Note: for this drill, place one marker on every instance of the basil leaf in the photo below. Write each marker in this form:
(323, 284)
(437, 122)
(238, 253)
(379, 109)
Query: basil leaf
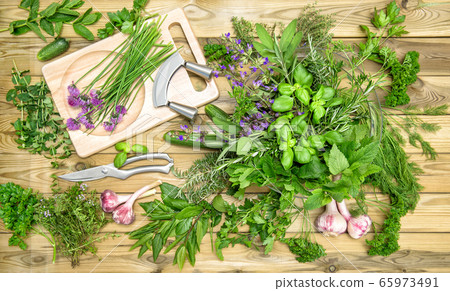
(123, 147)
(120, 159)
(137, 148)
(83, 31)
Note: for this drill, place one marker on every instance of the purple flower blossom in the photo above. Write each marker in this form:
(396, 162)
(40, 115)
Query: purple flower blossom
(84, 100)
(249, 46)
(257, 83)
(97, 102)
(216, 74)
(83, 186)
(222, 67)
(271, 101)
(184, 127)
(254, 69)
(258, 115)
(274, 88)
(73, 101)
(300, 113)
(93, 93)
(242, 74)
(72, 124)
(265, 124)
(227, 35)
(82, 118)
(231, 67)
(73, 90)
(241, 51)
(228, 50)
(121, 109)
(241, 65)
(228, 76)
(108, 126)
(116, 118)
(197, 130)
(89, 125)
(238, 41)
(241, 84)
(270, 70)
(242, 123)
(235, 57)
(266, 61)
(180, 137)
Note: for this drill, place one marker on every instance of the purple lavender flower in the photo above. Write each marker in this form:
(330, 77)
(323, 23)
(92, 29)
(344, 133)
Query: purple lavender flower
(116, 118)
(73, 100)
(184, 127)
(84, 100)
(227, 35)
(93, 93)
(121, 109)
(258, 115)
(238, 41)
(108, 126)
(270, 70)
(241, 84)
(82, 118)
(73, 90)
(72, 124)
(89, 125)
(97, 102)
(265, 124)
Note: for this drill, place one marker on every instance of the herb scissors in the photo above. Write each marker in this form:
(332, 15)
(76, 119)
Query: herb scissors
(111, 171)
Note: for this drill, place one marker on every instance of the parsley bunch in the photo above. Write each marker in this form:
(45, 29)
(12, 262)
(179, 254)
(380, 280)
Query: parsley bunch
(122, 20)
(17, 208)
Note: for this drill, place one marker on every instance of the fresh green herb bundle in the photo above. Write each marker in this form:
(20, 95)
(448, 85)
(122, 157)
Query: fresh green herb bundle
(127, 68)
(123, 20)
(71, 221)
(40, 129)
(17, 209)
(52, 18)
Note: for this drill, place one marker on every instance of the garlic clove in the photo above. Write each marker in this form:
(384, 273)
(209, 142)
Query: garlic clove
(359, 226)
(109, 200)
(124, 214)
(331, 222)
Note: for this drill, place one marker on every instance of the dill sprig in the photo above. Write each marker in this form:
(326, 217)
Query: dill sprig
(203, 178)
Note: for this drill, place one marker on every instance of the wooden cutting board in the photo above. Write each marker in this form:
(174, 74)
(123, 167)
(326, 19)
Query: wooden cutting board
(142, 115)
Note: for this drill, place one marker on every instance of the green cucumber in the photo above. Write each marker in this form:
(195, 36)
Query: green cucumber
(214, 111)
(53, 49)
(210, 140)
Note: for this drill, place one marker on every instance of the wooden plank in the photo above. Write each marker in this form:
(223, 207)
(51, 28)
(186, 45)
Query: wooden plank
(212, 18)
(419, 253)
(434, 57)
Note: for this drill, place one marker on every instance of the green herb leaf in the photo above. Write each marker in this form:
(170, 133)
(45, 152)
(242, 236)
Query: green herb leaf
(83, 31)
(137, 148)
(47, 26)
(189, 211)
(244, 145)
(127, 27)
(123, 147)
(337, 162)
(288, 35)
(120, 159)
(219, 204)
(264, 37)
(157, 245)
(35, 28)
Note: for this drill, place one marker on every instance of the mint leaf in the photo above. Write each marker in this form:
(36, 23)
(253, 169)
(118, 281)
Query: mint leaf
(337, 162)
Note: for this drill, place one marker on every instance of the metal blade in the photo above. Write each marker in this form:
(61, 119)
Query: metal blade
(165, 72)
(90, 174)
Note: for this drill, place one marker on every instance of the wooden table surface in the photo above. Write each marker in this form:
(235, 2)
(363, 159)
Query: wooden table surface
(425, 235)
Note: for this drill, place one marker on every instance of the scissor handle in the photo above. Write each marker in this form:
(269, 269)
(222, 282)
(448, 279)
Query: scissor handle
(152, 168)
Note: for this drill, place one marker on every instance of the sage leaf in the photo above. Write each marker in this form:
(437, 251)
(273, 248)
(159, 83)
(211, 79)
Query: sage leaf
(264, 36)
(287, 35)
(244, 145)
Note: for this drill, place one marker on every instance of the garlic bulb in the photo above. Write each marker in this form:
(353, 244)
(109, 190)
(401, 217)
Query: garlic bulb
(331, 222)
(359, 226)
(109, 200)
(356, 226)
(124, 213)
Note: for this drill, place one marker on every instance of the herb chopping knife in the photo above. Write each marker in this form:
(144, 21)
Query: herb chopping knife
(111, 171)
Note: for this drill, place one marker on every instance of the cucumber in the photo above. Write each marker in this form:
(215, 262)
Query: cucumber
(53, 49)
(210, 140)
(226, 125)
(214, 111)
